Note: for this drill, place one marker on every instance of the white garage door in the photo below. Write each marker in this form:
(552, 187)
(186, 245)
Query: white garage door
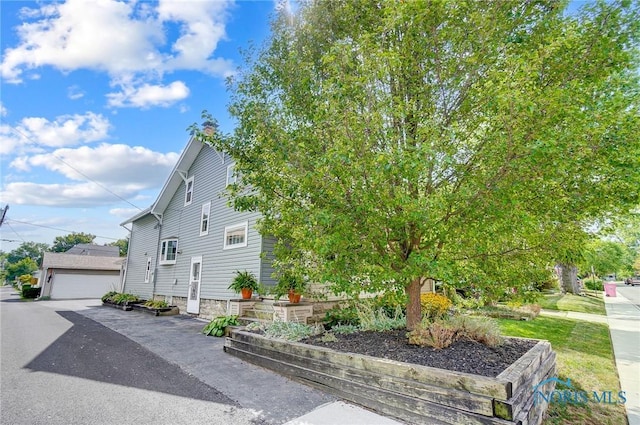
(69, 286)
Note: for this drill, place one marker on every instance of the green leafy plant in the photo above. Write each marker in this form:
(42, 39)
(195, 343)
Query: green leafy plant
(118, 298)
(344, 329)
(108, 296)
(593, 283)
(291, 331)
(156, 304)
(443, 332)
(439, 334)
(216, 326)
(288, 281)
(328, 337)
(377, 319)
(338, 315)
(30, 292)
(244, 280)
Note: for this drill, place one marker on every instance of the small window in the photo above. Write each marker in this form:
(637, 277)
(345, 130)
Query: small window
(235, 236)
(188, 194)
(231, 175)
(204, 219)
(168, 251)
(147, 272)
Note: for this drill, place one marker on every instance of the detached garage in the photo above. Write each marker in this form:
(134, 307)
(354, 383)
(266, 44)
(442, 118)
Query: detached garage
(69, 276)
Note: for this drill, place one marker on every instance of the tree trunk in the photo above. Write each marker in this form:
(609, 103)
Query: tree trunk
(569, 278)
(414, 311)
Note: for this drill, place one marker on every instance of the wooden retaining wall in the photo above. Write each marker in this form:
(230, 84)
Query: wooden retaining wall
(410, 392)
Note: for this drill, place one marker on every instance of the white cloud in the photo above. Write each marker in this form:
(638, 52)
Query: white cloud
(3, 110)
(74, 92)
(148, 95)
(67, 130)
(109, 164)
(123, 169)
(119, 38)
(124, 212)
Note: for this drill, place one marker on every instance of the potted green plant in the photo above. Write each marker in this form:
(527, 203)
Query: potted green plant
(291, 285)
(244, 283)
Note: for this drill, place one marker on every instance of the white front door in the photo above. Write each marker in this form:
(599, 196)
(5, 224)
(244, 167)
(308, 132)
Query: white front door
(193, 299)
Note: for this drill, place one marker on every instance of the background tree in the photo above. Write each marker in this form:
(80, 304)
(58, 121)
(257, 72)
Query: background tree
(22, 267)
(123, 246)
(65, 243)
(467, 142)
(33, 250)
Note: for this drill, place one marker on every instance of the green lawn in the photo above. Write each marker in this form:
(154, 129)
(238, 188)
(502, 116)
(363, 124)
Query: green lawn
(584, 354)
(570, 302)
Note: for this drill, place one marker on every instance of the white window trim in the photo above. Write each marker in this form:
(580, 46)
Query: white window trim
(230, 176)
(228, 229)
(188, 199)
(147, 271)
(205, 207)
(163, 256)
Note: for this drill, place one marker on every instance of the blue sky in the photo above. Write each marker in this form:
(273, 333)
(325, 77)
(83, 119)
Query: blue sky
(99, 94)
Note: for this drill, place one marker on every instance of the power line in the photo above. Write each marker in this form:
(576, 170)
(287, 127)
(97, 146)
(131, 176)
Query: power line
(50, 227)
(13, 230)
(76, 170)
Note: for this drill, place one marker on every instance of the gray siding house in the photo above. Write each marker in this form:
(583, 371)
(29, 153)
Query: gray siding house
(186, 247)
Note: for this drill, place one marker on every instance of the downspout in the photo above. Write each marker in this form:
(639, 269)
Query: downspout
(157, 259)
(126, 259)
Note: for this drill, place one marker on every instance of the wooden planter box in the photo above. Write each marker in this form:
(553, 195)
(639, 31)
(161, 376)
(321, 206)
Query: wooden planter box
(414, 393)
(127, 306)
(164, 311)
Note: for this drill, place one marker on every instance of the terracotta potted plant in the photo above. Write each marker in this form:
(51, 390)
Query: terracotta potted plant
(290, 285)
(244, 283)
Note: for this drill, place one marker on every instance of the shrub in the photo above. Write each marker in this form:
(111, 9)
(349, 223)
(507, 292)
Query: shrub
(593, 283)
(341, 316)
(439, 334)
(344, 329)
(291, 331)
(29, 291)
(434, 306)
(390, 302)
(118, 298)
(377, 319)
(216, 326)
(156, 304)
(108, 296)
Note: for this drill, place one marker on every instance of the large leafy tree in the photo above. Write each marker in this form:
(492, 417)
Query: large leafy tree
(66, 242)
(21, 267)
(390, 142)
(33, 250)
(123, 246)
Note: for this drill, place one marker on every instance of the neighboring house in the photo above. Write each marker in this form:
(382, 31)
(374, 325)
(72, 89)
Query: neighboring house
(72, 276)
(96, 250)
(186, 247)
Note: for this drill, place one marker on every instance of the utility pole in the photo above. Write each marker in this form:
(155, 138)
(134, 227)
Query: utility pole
(3, 214)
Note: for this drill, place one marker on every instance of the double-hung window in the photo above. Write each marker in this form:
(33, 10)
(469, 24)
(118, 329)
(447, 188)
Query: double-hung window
(188, 191)
(204, 219)
(232, 178)
(236, 236)
(168, 251)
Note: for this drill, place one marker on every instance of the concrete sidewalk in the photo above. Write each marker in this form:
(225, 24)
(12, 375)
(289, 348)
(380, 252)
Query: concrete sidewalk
(273, 399)
(624, 327)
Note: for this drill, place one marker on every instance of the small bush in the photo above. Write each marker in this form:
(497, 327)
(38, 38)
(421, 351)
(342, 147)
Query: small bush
(121, 299)
(108, 296)
(434, 306)
(480, 329)
(328, 337)
(593, 283)
(377, 319)
(156, 304)
(390, 302)
(344, 329)
(341, 316)
(30, 292)
(291, 331)
(216, 326)
(439, 334)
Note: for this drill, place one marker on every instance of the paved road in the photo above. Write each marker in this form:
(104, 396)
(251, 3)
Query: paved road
(60, 367)
(632, 293)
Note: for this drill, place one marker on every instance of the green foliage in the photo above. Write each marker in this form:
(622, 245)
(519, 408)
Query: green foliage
(217, 326)
(33, 250)
(291, 331)
(30, 292)
(156, 304)
(593, 283)
(338, 315)
(443, 332)
(377, 319)
(386, 142)
(244, 280)
(65, 243)
(123, 246)
(289, 281)
(119, 298)
(25, 278)
(26, 266)
(606, 257)
(344, 329)
(328, 337)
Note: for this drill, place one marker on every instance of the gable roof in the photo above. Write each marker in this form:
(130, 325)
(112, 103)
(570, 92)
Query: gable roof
(172, 184)
(62, 260)
(95, 250)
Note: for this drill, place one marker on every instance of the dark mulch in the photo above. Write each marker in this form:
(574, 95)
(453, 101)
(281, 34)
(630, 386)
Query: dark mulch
(462, 356)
